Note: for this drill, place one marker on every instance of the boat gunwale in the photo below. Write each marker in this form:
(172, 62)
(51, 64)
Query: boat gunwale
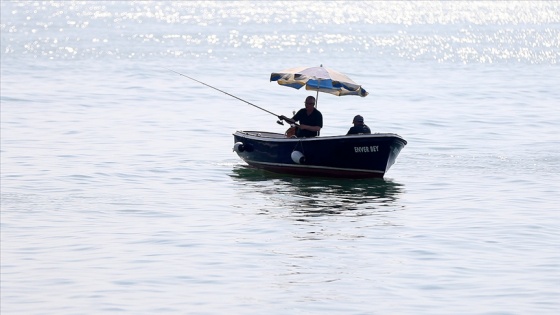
(262, 136)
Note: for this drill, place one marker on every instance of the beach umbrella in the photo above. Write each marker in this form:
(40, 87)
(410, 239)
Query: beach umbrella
(318, 79)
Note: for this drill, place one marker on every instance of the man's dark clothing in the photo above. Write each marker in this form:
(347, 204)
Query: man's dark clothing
(315, 119)
(363, 128)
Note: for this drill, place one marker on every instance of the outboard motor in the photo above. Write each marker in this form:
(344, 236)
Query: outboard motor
(238, 147)
(298, 157)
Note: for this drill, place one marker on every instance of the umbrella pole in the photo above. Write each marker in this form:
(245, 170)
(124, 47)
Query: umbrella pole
(317, 103)
(317, 98)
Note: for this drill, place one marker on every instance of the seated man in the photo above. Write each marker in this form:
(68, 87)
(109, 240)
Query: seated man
(310, 119)
(359, 126)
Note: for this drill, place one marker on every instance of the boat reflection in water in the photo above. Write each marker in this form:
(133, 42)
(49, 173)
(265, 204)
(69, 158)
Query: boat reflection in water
(311, 196)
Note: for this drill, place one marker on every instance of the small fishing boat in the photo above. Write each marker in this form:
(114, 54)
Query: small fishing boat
(347, 156)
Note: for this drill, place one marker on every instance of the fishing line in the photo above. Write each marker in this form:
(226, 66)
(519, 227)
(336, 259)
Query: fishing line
(208, 85)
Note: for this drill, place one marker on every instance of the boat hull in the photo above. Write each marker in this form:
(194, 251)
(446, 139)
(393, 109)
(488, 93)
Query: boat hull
(348, 156)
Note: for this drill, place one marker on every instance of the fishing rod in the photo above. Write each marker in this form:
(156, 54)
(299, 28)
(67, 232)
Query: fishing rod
(280, 117)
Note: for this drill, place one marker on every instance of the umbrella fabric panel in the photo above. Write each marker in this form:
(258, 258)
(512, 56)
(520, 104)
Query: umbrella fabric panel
(290, 77)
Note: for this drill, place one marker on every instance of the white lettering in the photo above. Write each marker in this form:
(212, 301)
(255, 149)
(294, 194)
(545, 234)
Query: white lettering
(373, 148)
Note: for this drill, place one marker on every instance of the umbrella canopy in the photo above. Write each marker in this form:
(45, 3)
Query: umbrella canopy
(318, 79)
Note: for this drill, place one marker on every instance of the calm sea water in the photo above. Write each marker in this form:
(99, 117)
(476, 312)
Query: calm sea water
(120, 192)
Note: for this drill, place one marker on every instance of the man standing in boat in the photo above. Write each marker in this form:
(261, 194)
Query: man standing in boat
(310, 119)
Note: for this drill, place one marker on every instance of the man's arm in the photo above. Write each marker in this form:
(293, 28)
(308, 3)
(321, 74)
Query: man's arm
(289, 120)
(310, 128)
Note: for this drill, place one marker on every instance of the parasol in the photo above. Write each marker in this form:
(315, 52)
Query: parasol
(318, 79)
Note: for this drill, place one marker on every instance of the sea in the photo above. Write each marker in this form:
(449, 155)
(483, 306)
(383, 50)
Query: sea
(120, 192)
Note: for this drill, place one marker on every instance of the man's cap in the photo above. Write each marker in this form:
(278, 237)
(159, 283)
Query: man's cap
(358, 118)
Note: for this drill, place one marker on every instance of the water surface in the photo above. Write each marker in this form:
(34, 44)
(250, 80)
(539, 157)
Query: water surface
(121, 193)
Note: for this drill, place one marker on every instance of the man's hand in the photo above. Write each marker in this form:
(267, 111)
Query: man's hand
(289, 120)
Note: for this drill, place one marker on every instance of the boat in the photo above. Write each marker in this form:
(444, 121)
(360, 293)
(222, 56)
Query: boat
(345, 156)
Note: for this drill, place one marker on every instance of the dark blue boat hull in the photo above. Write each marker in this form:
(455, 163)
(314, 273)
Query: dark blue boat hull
(352, 156)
